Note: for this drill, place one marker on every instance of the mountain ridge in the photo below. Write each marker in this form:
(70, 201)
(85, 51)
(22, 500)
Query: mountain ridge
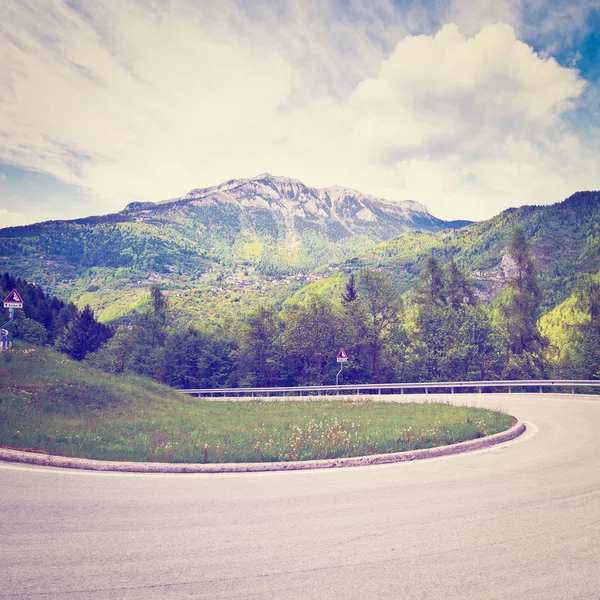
(293, 198)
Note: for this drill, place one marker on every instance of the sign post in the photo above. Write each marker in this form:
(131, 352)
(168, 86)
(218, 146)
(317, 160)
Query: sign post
(12, 301)
(342, 358)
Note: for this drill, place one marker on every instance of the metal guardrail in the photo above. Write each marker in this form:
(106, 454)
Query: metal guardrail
(393, 388)
(5, 342)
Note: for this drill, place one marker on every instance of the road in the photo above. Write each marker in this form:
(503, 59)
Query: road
(521, 520)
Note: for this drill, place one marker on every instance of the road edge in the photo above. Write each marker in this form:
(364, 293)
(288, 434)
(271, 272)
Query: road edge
(88, 464)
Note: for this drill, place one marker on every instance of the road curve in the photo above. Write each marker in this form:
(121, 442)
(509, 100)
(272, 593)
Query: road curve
(519, 520)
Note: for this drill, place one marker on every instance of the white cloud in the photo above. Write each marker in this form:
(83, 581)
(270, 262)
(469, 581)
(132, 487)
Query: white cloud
(135, 103)
(448, 94)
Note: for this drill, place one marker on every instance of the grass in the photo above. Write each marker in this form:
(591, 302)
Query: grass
(53, 404)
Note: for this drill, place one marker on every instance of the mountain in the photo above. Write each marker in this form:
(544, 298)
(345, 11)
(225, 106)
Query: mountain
(242, 231)
(294, 200)
(280, 224)
(220, 249)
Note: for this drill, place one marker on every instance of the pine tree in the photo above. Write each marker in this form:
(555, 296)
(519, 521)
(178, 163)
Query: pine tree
(83, 334)
(431, 286)
(350, 294)
(459, 290)
(523, 307)
(159, 302)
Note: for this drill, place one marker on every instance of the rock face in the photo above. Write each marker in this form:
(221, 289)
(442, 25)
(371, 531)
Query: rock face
(349, 209)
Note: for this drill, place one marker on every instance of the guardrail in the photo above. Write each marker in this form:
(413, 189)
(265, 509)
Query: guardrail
(5, 342)
(393, 388)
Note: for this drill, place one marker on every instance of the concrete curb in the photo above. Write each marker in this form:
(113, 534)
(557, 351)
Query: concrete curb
(47, 460)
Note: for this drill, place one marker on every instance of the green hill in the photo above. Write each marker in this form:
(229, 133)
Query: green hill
(565, 239)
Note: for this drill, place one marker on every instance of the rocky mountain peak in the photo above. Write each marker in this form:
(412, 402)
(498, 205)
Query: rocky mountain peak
(334, 206)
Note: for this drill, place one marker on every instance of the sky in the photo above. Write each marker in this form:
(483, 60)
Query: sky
(468, 106)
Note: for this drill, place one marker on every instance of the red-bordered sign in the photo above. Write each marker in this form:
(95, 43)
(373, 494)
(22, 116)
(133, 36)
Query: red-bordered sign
(13, 300)
(342, 356)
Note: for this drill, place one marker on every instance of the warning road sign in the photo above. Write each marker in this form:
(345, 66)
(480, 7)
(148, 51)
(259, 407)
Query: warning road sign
(342, 356)
(13, 300)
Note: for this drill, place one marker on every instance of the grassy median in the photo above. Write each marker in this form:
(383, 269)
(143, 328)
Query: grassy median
(52, 404)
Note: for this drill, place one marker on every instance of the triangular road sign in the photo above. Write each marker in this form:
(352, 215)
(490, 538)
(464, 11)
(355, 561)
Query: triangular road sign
(13, 300)
(342, 355)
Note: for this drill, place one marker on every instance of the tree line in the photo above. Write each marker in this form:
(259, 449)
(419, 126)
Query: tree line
(48, 320)
(440, 331)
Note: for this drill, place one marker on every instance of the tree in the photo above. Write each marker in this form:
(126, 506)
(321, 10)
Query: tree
(312, 337)
(115, 355)
(29, 331)
(197, 359)
(583, 356)
(350, 294)
(60, 320)
(433, 337)
(259, 357)
(519, 308)
(82, 335)
(454, 338)
(458, 288)
(522, 309)
(474, 346)
(159, 302)
(378, 307)
(431, 285)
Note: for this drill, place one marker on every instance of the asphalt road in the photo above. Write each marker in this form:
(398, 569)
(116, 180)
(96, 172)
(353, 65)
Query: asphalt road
(521, 520)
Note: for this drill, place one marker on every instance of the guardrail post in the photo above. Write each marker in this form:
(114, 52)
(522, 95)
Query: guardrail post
(510, 389)
(452, 389)
(479, 389)
(540, 389)
(401, 391)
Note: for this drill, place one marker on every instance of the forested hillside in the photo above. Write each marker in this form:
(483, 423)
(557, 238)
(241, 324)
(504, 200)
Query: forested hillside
(440, 331)
(45, 319)
(565, 239)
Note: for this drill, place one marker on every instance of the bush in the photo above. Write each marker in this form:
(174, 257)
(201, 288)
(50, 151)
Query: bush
(29, 331)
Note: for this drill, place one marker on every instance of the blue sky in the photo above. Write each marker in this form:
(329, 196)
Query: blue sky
(469, 107)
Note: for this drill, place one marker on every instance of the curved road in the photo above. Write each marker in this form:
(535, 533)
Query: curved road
(521, 520)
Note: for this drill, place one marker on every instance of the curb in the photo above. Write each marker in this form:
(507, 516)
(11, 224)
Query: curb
(47, 460)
